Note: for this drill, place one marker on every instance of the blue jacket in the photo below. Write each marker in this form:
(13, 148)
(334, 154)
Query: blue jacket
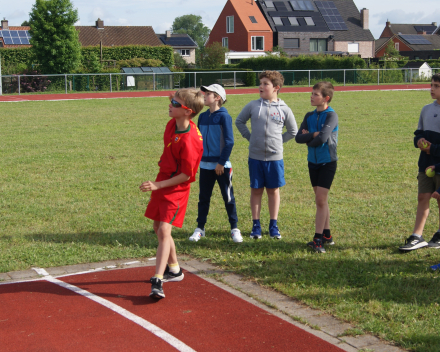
(218, 136)
(322, 148)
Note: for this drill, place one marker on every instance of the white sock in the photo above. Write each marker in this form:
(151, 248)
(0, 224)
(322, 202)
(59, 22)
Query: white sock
(174, 268)
(414, 234)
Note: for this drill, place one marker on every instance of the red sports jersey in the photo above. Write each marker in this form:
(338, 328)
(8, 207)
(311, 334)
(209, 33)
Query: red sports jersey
(182, 153)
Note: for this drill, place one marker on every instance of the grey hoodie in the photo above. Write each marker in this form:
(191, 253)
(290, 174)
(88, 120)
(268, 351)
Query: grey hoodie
(267, 122)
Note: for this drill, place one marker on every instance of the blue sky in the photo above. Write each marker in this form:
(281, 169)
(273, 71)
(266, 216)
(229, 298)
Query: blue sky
(160, 14)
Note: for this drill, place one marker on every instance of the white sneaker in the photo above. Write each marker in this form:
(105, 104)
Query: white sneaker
(236, 235)
(197, 235)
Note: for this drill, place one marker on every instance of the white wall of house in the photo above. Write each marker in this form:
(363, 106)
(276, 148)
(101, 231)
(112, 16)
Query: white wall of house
(423, 72)
(191, 58)
(244, 55)
(364, 49)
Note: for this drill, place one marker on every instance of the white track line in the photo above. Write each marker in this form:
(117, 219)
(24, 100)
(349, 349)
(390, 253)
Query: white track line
(170, 339)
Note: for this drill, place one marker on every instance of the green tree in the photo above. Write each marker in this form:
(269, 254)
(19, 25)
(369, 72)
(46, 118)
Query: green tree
(193, 26)
(391, 51)
(25, 23)
(55, 43)
(212, 56)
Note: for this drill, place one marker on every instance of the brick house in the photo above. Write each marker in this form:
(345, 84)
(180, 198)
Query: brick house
(242, 28)
(300, 27)
(415, 41)
(182, 44)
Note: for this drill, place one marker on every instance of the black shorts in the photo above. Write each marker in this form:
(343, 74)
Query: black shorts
(321, 175)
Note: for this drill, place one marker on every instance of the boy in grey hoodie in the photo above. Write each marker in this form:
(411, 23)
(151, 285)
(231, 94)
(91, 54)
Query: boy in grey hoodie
(268, 115)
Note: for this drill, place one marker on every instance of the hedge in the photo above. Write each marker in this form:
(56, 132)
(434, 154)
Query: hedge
(13, 57)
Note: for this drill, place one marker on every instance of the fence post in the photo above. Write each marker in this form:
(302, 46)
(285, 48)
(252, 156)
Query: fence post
(410, 76)
(111, 90)
(309, 78)
(234, 80)
(378, 77)
(154, 81)
(344, 77)
(65, 82)
(19, 90)
(195, 79)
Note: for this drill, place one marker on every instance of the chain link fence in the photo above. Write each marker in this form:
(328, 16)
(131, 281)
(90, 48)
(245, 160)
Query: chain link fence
(111, 82)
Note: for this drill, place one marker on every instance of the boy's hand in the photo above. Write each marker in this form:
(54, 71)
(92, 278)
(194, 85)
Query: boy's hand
(219, 169)
(315, 134)
(304, 131)
(435, 195)
(424, 145)
(430, 167)
(149, 186)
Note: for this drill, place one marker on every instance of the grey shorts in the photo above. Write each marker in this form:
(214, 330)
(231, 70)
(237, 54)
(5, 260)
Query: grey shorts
(428, 184)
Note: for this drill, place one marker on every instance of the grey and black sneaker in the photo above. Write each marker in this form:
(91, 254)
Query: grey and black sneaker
(316, 245)
(156, 288)
(327, 240)
(413, 242)
(435, 241)
(168, 276)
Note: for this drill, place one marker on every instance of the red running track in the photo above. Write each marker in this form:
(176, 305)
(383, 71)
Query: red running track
(43, 316)
(143, 94)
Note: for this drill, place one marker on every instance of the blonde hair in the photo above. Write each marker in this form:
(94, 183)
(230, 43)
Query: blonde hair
(326, 89)
(193, 98)
(275, 77)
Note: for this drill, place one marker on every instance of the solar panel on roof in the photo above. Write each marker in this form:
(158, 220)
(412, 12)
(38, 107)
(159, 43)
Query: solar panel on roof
(14, 33)
(269, 4)
(165, 69)
(6, 34)
(427, 29)
(22, 34)
(25, 41)
(331, 15)
(16, 40)
(415, 39)
(293, 21)
(156, 69)
(146, 69)
(127, 70)
(252, 18)
(7, 40)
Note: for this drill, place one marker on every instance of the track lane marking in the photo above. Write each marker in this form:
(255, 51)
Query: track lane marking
(168, 338)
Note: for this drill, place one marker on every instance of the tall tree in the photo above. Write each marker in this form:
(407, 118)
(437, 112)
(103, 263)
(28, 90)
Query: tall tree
(213, 56)
(193, 26)
(55, 43)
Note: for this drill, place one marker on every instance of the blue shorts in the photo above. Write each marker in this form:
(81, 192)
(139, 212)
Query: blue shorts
(269, 174)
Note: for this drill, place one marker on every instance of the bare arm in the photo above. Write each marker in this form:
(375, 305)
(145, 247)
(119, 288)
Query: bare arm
(154, 186)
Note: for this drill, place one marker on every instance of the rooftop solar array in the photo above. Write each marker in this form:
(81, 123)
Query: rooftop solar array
(15, 37)
(428, 29)
(415, 39)
(331, 15)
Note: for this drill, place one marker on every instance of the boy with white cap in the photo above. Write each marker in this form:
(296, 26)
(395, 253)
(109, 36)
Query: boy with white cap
(215, 124)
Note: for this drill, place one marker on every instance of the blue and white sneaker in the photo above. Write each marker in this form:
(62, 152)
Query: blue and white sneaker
(256, 232)
(274, 232)
(197, 235)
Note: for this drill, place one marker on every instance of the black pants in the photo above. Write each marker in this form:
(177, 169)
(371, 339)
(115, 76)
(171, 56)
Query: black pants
(206, 185)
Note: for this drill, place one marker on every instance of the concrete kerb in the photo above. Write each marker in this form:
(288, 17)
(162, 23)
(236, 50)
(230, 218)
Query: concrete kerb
(311, 320)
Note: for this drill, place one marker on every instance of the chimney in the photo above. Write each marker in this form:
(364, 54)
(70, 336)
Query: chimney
(388, 24)
(99, 24)
(5, 24)
(365, 18)
(168, 34)
(434, 24)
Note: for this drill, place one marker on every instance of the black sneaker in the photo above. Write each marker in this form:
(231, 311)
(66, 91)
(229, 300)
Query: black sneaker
(327, 240)
(413, 242)
(156, 288)
(435, 241)
(316, 245)
(168, 276)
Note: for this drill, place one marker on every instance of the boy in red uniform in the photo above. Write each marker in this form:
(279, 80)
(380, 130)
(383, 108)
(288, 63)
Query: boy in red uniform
(183, 149)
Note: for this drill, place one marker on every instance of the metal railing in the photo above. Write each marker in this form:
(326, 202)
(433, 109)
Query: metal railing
(111, 82)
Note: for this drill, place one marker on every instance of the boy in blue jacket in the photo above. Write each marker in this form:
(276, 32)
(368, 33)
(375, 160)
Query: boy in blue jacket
(319, 131)
(215, 124)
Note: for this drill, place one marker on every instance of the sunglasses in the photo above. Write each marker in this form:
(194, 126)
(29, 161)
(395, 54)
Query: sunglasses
(176, 104)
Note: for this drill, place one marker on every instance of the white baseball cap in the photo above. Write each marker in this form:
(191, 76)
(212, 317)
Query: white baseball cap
(216, 88)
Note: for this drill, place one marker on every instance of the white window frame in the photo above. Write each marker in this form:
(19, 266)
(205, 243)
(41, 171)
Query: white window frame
(353, 47)
(229, 24)
(185, 52)
(396, 46)
(225, 42)
(254, 43)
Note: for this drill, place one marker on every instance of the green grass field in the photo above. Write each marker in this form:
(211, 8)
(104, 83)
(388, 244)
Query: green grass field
(69, 193)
